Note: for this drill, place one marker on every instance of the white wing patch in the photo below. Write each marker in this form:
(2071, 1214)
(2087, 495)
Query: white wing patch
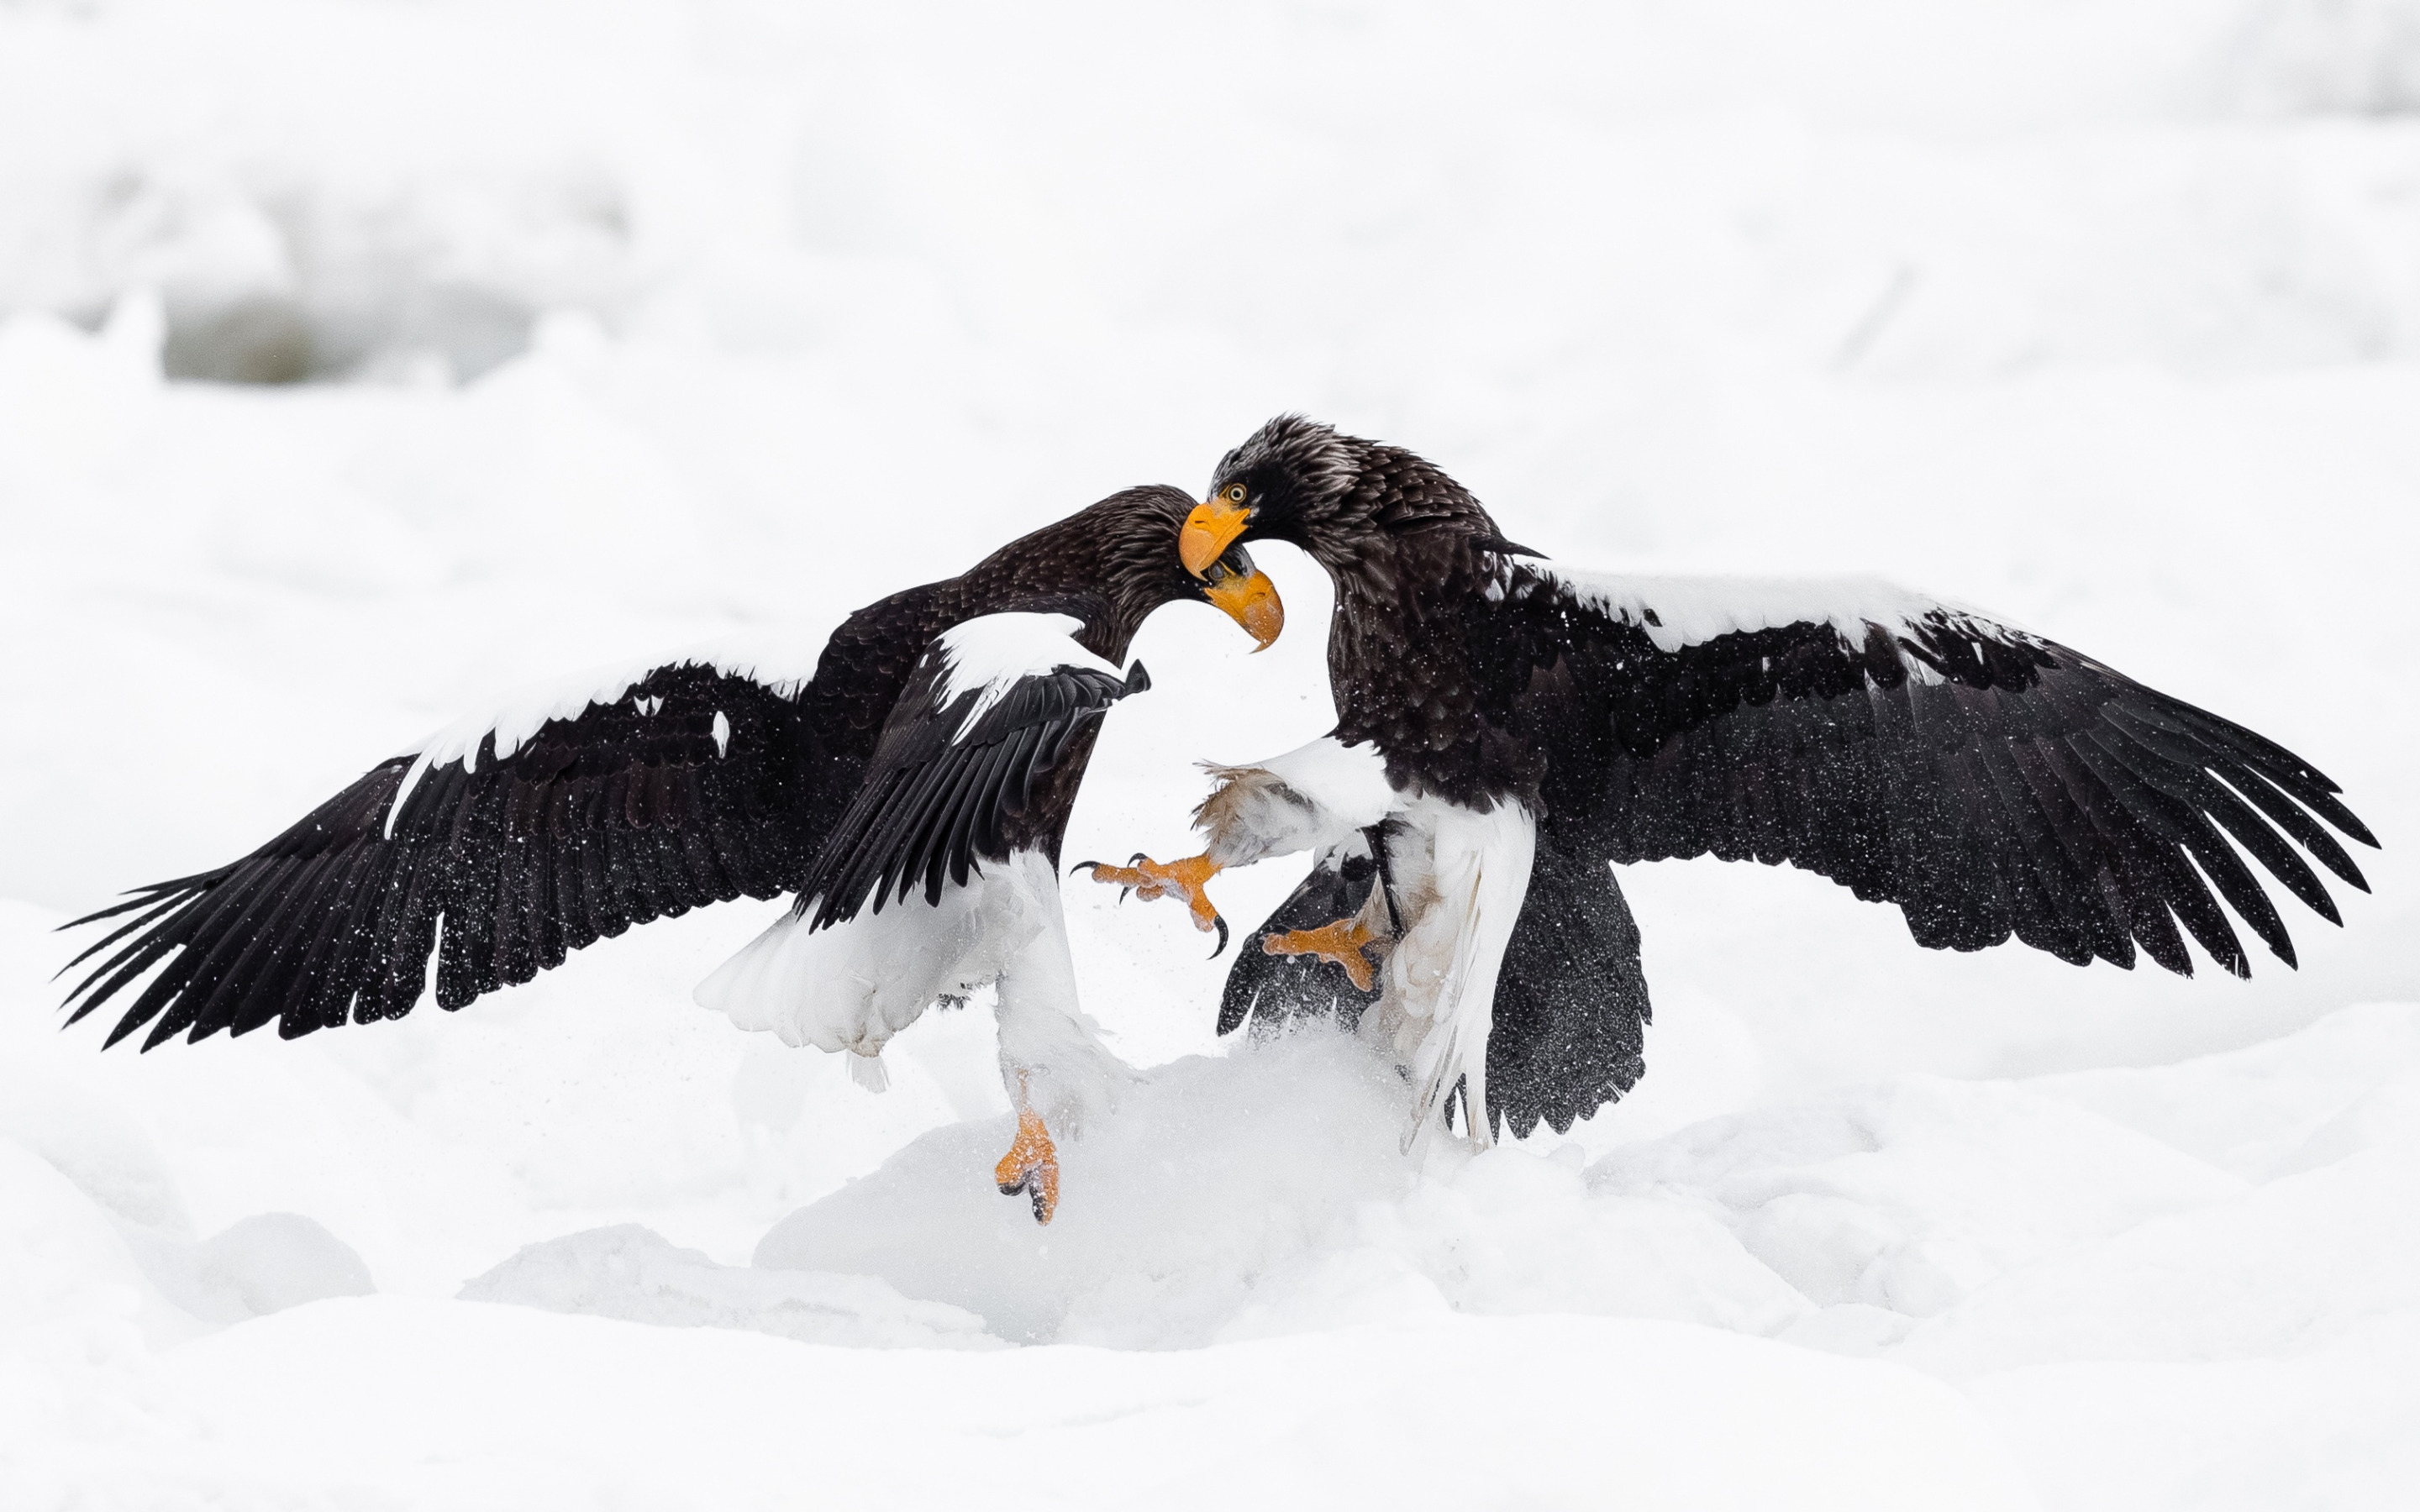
(994, 653)
(782, 658)
(721, 733)
(1687, 611)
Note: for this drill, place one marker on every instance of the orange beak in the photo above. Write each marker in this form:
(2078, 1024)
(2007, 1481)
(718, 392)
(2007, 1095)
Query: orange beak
(1209, 530)
(1251, 601)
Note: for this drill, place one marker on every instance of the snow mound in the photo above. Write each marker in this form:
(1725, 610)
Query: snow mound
(1265, 1194)
(1213, 1171)
(2268, 1108)
(59, 1259)
(2242, 1279)
(2310, 1254)
(323, 223)
(1906, 1196)
(1975, 1226)
(271, 1262)
(636, 1275)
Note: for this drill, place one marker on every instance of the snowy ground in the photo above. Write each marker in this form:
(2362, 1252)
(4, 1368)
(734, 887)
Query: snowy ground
(641, 322)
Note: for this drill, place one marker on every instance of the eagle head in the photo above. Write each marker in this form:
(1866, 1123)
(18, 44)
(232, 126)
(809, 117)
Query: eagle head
(1338, 497)
(1130, 533)
(1287, 483)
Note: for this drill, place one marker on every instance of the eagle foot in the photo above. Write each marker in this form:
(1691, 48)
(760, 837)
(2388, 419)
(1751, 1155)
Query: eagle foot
(1338, 943)
(1184, 880)
(1030, 1166)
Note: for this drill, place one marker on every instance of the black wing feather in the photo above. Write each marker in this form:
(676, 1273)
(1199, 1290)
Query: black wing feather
(619, 815)
(1570, 1010)
(1990, 783)
(945, 783)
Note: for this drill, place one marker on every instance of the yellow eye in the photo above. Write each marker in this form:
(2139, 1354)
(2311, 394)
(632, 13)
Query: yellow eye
(1234, 493)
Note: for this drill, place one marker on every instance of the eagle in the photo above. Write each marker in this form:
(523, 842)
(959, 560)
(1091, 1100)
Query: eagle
(908, 777)
(1507, 726)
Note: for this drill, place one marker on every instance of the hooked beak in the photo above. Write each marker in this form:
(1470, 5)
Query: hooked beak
(1250, 600)
(1209, 530)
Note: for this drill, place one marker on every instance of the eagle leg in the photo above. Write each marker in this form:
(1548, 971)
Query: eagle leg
(1340, 943)
(1030, 1166)
(1183, 880)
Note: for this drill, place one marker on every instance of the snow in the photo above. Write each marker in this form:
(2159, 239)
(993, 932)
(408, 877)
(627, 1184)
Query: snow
(643, 324)
(710, 1418)
(631, 1273)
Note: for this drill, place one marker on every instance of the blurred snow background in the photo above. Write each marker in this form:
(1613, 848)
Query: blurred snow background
(359, 360)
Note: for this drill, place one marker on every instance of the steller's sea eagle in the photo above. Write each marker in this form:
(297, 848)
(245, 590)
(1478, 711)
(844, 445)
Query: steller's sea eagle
(1506, 727)
(909, 777)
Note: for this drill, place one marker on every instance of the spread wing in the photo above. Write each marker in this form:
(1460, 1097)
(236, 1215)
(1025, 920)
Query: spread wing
(569, 817)
(996, 703)
(1987, 780)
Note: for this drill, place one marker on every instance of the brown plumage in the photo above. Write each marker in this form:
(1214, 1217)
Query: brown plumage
(1989, 782)
(691, 785)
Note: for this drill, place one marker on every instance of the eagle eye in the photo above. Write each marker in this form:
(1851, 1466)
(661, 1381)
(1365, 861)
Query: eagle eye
(1234, 493)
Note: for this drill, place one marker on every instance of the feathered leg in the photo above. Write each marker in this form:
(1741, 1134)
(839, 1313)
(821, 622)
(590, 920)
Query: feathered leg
(1051, 1059)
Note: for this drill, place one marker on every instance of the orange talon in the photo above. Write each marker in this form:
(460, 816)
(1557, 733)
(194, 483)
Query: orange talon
(1340, 943)
(1151, 879)
(1032, 1167)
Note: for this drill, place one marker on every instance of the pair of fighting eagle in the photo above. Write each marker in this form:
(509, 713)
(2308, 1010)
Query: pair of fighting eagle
(1506, 728)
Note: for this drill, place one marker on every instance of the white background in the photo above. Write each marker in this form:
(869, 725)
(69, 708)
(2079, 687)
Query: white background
(632, 323)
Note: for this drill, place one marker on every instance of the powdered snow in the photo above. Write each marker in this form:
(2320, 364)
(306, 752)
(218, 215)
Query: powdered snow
(625, 325)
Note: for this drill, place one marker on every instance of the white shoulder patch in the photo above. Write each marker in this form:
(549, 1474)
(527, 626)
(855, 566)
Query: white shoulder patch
(1686, 612)
(1348, 782)
(782, 658)
(993, 653)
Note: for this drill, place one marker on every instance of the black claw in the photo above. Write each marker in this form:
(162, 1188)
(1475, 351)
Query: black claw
(1080, 865)
(1138, 855)
(1220, 919)
(1122, 893)
(1030, 1184)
